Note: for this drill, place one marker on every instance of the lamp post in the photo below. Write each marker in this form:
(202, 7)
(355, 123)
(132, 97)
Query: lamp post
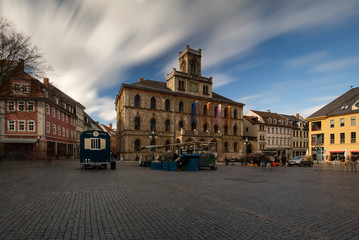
(153, 137)
(246, 148)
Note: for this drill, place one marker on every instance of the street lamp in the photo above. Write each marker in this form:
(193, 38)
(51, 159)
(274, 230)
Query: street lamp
(153, 137)
(246, 148)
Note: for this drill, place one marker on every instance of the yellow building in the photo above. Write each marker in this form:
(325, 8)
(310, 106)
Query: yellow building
(334, 129)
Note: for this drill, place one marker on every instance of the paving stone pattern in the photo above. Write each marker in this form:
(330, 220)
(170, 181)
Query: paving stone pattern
(58, 200)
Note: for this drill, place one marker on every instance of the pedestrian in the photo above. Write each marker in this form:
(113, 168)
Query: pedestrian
(353, 164)
(284, 160)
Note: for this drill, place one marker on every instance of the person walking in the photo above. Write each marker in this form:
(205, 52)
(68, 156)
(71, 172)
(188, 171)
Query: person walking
(353, 164)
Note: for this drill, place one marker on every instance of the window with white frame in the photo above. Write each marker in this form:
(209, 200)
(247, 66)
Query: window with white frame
(30, 106)
(16, 87)
(63, 131)
(53, 112)
(24, 88)
(342, 122)
(67, 119)
(21, 125)
(72, 134)
(31, 126)
(63, 116)
(48, 127)
(11, 125)
(67, 133)
(47, 109)
(332, 123)
(11, 106)
(274, 121)
(58, 115)
(57, 100)
(21, 106)
(352, 121)
(59, 130)
(54, 129)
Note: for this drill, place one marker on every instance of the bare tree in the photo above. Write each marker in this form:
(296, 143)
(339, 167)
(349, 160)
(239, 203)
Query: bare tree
(18, 52)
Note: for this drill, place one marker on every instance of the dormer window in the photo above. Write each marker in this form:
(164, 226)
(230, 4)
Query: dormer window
(56, 100)
(286, 122)
(269, 120)
(20, 88)
(274, 121)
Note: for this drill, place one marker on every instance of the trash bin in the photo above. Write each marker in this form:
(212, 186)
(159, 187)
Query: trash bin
(113, 165)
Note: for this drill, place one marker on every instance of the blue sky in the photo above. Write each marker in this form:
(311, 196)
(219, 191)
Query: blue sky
(287, 56)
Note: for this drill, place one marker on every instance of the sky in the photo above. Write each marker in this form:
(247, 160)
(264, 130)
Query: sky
(286, 56)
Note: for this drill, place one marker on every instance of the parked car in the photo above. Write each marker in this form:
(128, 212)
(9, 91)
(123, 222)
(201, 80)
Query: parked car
(301, 161)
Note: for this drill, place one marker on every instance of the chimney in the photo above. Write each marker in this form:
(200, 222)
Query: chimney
(268, 110)
(141, 79)
(297, 115)
(110, 126)
(46, 82)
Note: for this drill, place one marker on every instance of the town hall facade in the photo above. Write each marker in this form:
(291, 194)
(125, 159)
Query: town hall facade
(182, 109)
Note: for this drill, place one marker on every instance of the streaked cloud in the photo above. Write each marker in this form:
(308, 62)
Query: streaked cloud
(305, 60)
(93, 44)
(336, 65)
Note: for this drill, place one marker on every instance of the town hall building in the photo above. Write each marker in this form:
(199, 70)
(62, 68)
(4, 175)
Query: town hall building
(182, 109)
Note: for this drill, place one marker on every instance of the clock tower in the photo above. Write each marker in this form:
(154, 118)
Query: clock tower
(188, 79)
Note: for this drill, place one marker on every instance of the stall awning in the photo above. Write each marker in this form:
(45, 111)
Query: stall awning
(336, 151)
(18, 140)
(354, 151)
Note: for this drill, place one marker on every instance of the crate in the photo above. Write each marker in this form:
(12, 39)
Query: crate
(172, 166)
(192, 164)
(165, 166)
(156, 165)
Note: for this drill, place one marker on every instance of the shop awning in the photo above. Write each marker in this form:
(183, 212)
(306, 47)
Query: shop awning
(18, 140)
(336, 151)
(354, 151)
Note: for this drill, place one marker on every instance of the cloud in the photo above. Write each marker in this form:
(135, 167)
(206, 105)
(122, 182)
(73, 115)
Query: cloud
(220, 80)
(305, 60)
(335, 65)
(93, 44)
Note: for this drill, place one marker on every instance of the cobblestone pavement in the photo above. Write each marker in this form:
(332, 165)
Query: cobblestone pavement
(58, 200)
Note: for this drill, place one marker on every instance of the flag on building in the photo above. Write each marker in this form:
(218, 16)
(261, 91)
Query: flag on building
(194, 106)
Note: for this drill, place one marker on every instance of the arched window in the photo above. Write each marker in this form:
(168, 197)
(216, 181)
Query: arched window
(235, 113)
(193, 126)
(167, 105)
(137, 101)
(226, 146)
(215, 128)
(215, 110)
(193, 68)
(180, 125)
(153, 103)
(225, 112)
(137, 123)
(153, 124)
(137, 145)
(167, 126)
(205, 110)
(205, 127)
(235, 147)
(225, 130)
(180, 106)
(235, 130)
